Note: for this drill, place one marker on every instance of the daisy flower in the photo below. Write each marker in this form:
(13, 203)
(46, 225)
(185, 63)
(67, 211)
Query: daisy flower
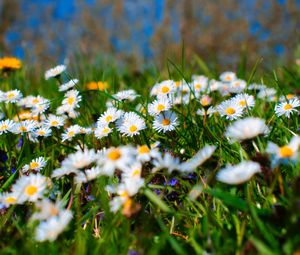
(228, 76)
(131, 124)
(239, 173)
(255, 86)
(287, 97)
(165, 122)
(8, 198)
(41, 107)
(245, 129)
(71, 132)
(287, 108)
(75, 162)
(205, 100)
(244, 100)
(214, 85)
(30, 188)
(126, 95)
(68, 85)
(55, 71)
(6, 126)
(109, 116)
(159, 105)
(102, 131)
(71, 100)
(43, 131)
(144, 154)
(133, 171)
(35, 165)
(47, 209)
(167, 161)
(198, 159)
(124, 193)
(49, 229)
(165, 88)
(199, 84)
(12, 96)
(25, 126)
(209, 112)
(54, 121)
(115, 158)
(230, 109)
(88, 175)
(284, 154)
(237, 86)
(267, 93)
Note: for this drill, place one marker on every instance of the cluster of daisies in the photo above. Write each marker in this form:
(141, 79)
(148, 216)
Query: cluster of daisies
(127, 167)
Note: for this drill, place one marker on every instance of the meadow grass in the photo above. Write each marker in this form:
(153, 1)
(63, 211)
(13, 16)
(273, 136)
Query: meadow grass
(173, 212)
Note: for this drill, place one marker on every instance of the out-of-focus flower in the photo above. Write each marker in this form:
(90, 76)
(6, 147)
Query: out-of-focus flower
(238, 174)
(10, 63)
(53, 226)
(198, 159)
(30, 188)
(228, 76)
(68, 85)
(55, 71)
(97, 85)
(247, 128)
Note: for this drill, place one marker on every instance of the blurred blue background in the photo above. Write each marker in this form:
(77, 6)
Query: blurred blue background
(147, 30)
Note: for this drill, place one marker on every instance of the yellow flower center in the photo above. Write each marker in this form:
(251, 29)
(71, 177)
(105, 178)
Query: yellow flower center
(133, 128)
(242, 103)
(31, 190)
(198, 86)
(10, 95)
(177, 83)
(10, 200)
(54, 123)
(160, 107)
(33, 165)
(204, 101)
(236, 84)
(143, 149)
(230, 111)
(287, 107)
(165, 89)
(165, 122)
(136, 172)
(71, 100)
(108, 118)
(3, 127)
(114, 154)
(35, 101)
(41, 132)
(285, 152)
(53, 211)
(227, 78)
(23, 129)
(290, 96)
(105, 130)
(71, 133)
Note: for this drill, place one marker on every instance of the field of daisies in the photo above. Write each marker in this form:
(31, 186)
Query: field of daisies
(93, 161)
